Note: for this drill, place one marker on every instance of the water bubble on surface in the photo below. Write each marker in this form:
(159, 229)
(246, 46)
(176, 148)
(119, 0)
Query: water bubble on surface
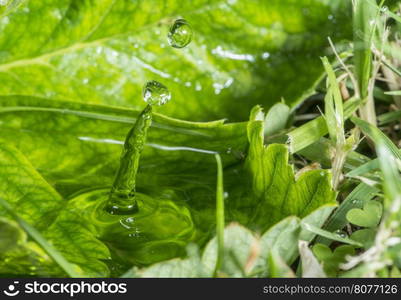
(155, 93)
(180, 34)
(340, 233)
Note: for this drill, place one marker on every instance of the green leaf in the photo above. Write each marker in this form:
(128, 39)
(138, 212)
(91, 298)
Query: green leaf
(176, 268)
(76, 241)
(104, 51)
(276, 193)
(276, 119)
(312, 131)
(26, 190)
(238, 252)
(364, 169)
(10, 235)
(18, 256)
(77, 146)
(369, 216)
(220, 218)
(71, 270)
(310, 266)
(7, 6)
(355, 199)
(394, 93)
(39, 205)
(329, 235)
(364, 12)
(331, 260)
(334, 111)
(282, 238)
(365, 236)
(278, 268)
(375, 134)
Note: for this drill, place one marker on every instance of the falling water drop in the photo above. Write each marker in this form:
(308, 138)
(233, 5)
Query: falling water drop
(155, 93)
(180, 34)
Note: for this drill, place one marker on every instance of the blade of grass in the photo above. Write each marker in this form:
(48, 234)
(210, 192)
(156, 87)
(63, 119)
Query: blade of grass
(378, 257)
(364, 169)
(220, 220)
(310, 132)
(366, 14)
(394, 93)
(37, 237)
(392, 68)
(389, 117)
(356, 199)
(329, 235)
(393, 15)
(391, 177)
(334, 116)
(374, 134)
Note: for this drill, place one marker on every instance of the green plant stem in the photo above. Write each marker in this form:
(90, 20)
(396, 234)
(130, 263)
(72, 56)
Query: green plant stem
(220, 222)
(368, 112)
(122, 195)
(338, 164)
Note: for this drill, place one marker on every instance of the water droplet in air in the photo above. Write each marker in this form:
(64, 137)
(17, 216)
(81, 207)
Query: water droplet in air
(180, 34)
(155, 93)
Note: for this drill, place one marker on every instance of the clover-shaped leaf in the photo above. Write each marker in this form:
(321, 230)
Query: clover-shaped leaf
(365, 236)
(369, 216)
(331, 260)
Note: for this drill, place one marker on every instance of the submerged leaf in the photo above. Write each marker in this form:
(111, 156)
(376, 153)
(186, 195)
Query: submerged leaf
(37, 203)
(20, 257)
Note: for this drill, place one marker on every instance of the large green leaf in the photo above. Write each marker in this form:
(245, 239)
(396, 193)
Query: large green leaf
(7, 6)
(77, 146)
(76, 241)
(37, 203)
(20, 257)
(245, 255)
(26, 190)
(243, 52)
